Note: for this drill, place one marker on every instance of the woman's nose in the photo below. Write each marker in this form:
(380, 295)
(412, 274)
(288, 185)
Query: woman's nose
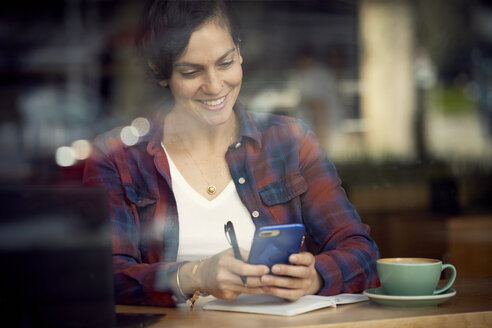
(213, 83)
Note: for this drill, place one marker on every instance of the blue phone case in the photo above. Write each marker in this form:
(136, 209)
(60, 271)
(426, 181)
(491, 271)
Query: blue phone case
(274, 244)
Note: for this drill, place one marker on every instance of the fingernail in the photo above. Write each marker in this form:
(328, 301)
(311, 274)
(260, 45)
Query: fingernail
(293, 258)
(266, 271)
(266, 279)
(276, 269)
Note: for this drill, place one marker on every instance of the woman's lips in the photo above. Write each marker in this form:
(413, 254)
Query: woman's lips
(215, 104)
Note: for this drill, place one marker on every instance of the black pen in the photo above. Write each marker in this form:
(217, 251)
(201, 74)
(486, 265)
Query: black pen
(231, 238)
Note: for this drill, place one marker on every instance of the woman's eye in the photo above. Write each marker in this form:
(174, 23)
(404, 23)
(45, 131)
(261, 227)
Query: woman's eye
(227, 64)
(189, 74)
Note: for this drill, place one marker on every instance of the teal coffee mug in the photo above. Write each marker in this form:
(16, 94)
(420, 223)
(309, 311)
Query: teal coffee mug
(413, 276)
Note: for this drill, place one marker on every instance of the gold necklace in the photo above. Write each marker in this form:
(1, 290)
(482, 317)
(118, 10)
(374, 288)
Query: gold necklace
(211, 188)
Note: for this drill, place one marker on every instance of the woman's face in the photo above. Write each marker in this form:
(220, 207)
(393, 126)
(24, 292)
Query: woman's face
(206, 78)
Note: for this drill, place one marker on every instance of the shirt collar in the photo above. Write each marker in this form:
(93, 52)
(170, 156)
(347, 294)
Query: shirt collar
(248, 127)
(155, 134)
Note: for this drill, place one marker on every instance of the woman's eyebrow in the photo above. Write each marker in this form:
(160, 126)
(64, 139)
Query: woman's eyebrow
(188, 64)
(228, 52)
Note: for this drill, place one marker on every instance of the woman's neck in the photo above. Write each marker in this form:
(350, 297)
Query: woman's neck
(195, 135)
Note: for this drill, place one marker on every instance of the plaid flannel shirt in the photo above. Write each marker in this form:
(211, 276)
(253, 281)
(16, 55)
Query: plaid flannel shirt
(281, 175)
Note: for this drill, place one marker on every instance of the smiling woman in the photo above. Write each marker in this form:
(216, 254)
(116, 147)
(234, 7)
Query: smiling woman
(206, 161)
(206, 78)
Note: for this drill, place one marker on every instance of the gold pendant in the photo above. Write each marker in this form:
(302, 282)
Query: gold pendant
(211, 190)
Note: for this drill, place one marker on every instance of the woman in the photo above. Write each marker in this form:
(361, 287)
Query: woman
(208, 161)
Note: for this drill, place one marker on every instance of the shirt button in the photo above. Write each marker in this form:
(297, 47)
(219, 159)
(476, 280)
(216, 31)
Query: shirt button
(241, 180)
(237, 145)
(255, 214)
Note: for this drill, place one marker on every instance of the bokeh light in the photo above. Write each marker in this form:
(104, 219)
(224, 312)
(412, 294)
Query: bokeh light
(129, 135)
(82, 149)
(65, 156)
(142, 125)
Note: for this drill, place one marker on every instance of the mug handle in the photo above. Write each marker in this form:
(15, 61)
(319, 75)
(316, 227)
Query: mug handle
(450, 281)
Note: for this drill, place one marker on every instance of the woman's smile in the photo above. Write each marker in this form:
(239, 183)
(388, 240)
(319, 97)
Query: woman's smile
(214, 104)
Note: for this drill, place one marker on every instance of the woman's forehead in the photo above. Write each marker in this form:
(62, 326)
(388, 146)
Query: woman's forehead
(209, 42)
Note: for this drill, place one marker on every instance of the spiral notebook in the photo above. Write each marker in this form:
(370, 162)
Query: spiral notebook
(268, 304)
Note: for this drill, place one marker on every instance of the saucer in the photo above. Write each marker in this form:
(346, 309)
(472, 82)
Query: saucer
(379, 296)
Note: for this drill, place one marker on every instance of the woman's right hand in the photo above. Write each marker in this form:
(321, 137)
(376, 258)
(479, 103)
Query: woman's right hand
(220, 276)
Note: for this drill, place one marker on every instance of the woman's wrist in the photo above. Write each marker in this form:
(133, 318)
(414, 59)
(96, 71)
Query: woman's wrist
(196, 281)
(178, 283)
(182, 280)
(318, 284)
(188, 282)
(188, 278)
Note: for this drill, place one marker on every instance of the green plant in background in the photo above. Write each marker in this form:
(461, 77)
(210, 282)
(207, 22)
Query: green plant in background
(451, 100)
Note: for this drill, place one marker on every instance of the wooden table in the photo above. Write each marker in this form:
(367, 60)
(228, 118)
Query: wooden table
(471, 307)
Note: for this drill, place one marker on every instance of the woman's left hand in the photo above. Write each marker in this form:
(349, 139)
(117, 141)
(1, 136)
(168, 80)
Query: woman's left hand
(292, 281)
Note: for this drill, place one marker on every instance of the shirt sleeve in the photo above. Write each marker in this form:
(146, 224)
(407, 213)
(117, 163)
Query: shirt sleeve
(134, 280)
(347, 255)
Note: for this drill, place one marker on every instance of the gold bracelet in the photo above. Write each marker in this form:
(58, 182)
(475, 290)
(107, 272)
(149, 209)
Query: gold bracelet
(192, 300)
(179, 285)
(196, 293)
(194, 270)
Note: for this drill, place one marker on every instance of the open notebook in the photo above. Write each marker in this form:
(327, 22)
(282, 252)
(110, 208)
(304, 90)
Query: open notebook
(268, 304)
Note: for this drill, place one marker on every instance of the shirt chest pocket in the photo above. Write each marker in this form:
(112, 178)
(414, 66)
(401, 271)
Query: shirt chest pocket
(281, 191)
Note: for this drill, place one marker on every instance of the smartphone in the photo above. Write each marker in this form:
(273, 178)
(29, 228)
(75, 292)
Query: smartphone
(274, 244)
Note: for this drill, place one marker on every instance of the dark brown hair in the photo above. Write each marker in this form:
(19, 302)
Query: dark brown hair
(166, 27)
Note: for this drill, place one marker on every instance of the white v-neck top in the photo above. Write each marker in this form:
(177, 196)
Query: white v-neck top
(201, 221)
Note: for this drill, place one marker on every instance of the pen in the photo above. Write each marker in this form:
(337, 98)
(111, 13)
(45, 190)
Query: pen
(231, 238)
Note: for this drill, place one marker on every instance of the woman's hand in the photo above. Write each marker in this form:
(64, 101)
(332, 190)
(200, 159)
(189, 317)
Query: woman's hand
(221, 274)
(298, 279)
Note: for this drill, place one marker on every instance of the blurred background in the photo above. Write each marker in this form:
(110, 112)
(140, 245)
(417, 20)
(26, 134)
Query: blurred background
(399, 93)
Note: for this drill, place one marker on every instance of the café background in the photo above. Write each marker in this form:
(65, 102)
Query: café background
(399, 92)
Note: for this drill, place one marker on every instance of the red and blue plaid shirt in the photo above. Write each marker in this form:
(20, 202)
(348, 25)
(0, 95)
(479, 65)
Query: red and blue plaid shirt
(281, 175)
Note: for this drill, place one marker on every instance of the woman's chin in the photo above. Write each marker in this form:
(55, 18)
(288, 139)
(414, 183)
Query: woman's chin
(219, 117)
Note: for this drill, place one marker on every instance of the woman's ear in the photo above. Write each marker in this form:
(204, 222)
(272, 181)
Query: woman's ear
(152, 66)
(240, 57)
(164, 83)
